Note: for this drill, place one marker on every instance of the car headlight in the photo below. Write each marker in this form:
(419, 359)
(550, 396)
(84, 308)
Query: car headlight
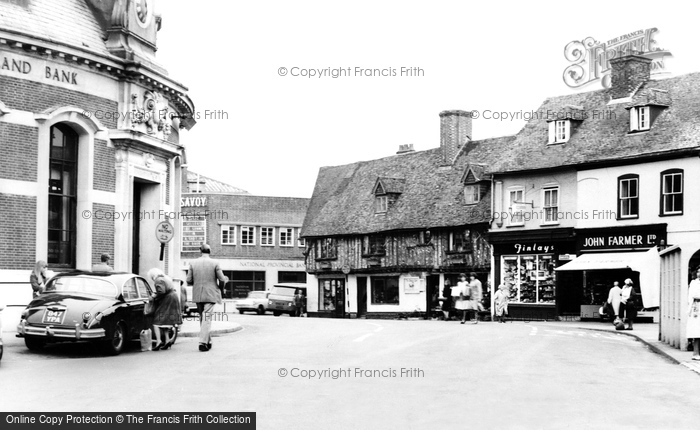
(24, 314)
(289, 304)
(269, 302)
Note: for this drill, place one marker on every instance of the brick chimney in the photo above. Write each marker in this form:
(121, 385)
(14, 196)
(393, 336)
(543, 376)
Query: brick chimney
(627, 73)
(455, 131)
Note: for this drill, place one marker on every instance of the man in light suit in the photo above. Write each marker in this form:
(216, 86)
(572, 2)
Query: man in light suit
(203, 274)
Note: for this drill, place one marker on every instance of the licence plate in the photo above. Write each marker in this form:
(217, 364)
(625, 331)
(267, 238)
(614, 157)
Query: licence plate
(53, 317)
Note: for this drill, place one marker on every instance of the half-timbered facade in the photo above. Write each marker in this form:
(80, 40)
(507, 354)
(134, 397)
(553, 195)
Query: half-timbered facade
(383, 235)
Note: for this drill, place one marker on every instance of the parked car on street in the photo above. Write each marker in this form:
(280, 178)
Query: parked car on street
(255, 301)
(104, 307)
(281, 298)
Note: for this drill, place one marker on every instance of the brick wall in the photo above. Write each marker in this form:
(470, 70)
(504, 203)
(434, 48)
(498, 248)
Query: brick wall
(104, 173)
(455, 127)
(17, 232)
(36, 97)
(19, 148)
(102, 232)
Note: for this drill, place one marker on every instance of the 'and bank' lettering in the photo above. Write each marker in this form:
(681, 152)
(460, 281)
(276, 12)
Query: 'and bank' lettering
(24, 67)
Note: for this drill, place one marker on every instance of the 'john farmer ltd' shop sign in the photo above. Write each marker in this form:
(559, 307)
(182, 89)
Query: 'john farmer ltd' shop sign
(637, 237)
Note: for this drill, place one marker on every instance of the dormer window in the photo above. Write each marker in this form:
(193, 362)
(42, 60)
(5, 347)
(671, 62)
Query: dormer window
(640, 118)
(559, 131)
(381, 204)
(472, 194)
(386, 192)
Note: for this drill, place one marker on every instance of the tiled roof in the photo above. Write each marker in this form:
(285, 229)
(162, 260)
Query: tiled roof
(209, 185)
(603, 135)
(261, 209)
(343, 203)
(391, 185)
(70, 22)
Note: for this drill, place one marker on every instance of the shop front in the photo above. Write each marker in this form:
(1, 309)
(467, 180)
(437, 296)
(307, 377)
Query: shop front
(608, 255)
(525, 263)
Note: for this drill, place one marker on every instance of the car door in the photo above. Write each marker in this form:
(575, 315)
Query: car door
(134, 308)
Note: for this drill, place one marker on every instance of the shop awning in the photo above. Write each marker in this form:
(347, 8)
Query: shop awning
(646, 263)
(605, 261)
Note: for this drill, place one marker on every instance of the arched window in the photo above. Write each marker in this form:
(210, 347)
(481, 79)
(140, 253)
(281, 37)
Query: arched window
(63, 182)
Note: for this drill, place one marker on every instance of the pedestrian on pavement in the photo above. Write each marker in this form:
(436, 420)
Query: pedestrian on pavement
(103, 266)
(203, 274)
(614, 296)
(298, 302)
(692, 329)
(628, 312)
(167, 314)
(476, 294)
(462, 302)
(38, 277)
(500, 301)
(446, 299)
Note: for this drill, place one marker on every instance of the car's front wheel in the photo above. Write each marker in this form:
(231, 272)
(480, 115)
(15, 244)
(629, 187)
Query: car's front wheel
(261, 310)
(34, 344)
(114, 345)
(276, 313)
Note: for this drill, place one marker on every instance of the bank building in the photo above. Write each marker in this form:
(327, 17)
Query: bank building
(90, 129)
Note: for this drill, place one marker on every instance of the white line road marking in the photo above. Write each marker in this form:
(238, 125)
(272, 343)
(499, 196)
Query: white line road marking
(363, 337)
(533, 332)
(378, 328)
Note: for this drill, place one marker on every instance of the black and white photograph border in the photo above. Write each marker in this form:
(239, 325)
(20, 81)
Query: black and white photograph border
(369, 214)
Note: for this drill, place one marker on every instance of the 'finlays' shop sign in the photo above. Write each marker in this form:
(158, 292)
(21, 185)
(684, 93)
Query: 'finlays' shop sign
(19, 67)
(591, 59)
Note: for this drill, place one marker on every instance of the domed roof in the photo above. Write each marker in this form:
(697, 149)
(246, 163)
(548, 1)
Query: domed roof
(68, 22)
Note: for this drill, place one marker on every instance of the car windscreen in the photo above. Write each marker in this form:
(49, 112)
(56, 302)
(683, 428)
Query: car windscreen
(94, 286)
(283, 291)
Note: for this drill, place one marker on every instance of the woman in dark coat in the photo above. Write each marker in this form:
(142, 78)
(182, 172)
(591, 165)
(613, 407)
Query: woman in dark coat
(168, 309)
(446, 299)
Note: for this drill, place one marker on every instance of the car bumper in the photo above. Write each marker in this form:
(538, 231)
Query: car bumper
(73, 333)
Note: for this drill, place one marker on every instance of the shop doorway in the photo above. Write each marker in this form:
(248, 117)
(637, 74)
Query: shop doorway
(432, 287)
(332, 297)
(361, 296)
(145, 248)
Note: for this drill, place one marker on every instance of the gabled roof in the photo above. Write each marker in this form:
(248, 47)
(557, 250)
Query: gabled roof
(474, 173)
(343, 204)
(389, 186)
(603, 135)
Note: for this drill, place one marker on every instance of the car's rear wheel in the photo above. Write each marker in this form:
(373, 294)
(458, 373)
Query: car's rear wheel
(261, 310)
(116, 342)
(276, 313)
(34, 344)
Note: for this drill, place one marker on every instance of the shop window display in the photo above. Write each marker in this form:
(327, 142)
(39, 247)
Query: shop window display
(530, 278)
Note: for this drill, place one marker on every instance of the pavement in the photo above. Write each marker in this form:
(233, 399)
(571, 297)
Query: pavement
(221, 322)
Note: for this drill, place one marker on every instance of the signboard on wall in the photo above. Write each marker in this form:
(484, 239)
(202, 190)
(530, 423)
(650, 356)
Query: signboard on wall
(413, 285)
(621, 238)
(194, 232)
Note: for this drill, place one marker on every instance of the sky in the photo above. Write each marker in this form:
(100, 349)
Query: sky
(267, 131)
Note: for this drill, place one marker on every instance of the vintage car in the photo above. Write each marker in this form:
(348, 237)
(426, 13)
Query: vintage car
(256, 301)
(106, 307)
(281, 298)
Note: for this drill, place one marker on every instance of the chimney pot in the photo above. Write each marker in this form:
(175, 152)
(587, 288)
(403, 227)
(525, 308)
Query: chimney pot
(403, 149)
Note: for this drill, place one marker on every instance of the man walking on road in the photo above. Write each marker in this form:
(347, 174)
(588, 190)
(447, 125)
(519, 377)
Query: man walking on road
(203, 274)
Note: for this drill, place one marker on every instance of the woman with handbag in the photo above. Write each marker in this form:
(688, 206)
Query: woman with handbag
(476, 295)
(692, 328)
(167, 308)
